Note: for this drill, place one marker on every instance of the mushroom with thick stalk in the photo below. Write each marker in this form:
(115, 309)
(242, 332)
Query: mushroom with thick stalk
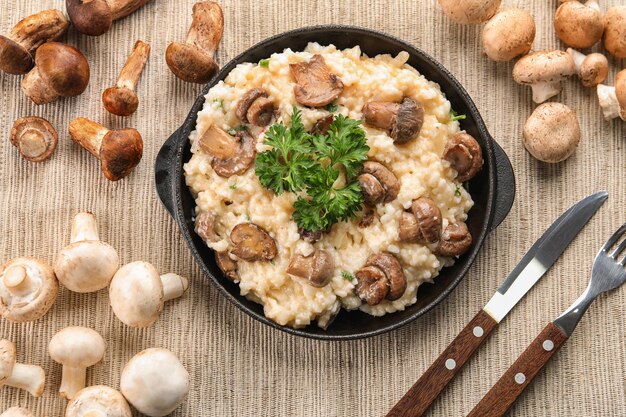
(122, 99)
(423, 224)
(119, 151)
(17, 48)
(315, 85)
(252, 243)
(403, 120)
(232, 155)
(17, 412)
(543, 71)
(95, 17)
(30, 378)
(34, 137)
(255, 107)
(509, 34)
(614, 37)
(137, 293)
(592, 69)
(551, 133)
(87, 264)
(60, 71)
(465, 156)
(194, 60)
(455, 240)
(98, 401)
(470, 11)
(378, 184)
(317, 268)
(164, 372)
(579, 25)
(613, 99)
(28, 289)
(76, 348)
(381, 278)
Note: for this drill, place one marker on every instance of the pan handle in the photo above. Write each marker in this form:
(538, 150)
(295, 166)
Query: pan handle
(163, 172)
(505, 186)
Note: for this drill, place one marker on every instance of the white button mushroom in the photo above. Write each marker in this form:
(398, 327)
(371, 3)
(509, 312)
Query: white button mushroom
(28, 288)
(592, 69)
(615, 31)
(552, 132)
(17, 412)
(137, 293)
(98, 401)
(155, 382)
(544, 71)
(613, 99)
(27, 377)
(76, 348)
(508, 34)
(579, 25)
(470, 11)
(87, 264)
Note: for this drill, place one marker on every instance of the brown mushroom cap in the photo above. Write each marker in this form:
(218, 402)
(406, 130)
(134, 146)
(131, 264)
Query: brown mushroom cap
(428, 217)
(614, 37)
(92, 18)
(592, 68)
(620, 92)
(322, 126)
(227, 265)
(455, 240)
(120, 101)
(246, 101)
(14, 58)
(372, 189)
(408, 229)
(318, 267)
(205, 226)
(579, 25)
(34, 137)
(372, 285)
(551, 133)
(392, 269)
(261, 111)
(386, 178)
(252, 243)
(404, 120)
(243, 158)
(470, 11)
(509, 34)
(465, 156)
(544, 71)
(315, 86)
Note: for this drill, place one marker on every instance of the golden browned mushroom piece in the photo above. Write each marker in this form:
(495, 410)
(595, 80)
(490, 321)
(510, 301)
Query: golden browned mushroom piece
(193, 61)
(318, 267)
(465, 156)
(592, 69)
(60, 71)
(252, 243)
(227, 265)
(614, 37)
(315, 86)
(231, 155)
(455, 240)
(423, 224)
(122, 99)
(378, 183)
(95, 17)
(579, 25)
(403, 120)
(381, 277)
(390, 265)
(17, 48)
(322, 125)
(205, 226)
(255, 107)
(34, 137)
(119, 151)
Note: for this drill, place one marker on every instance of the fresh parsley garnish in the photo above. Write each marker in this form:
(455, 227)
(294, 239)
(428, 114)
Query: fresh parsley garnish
(332, 107)
(220, 103)
(347, 276)
(264, 63)
(457, 191)
(248, 216)
(233, 186)
(454, 116)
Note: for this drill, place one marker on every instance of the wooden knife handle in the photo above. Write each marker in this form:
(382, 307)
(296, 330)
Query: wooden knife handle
(504, 393)
(422, 394)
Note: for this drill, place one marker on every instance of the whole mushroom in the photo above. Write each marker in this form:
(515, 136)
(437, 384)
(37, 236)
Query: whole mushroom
(470, 11)
(95, 17)
(455, 240)
(315, 85)
(30, 378)
(579, 25)
(614, 37)
(381, 277)
(232, 155)
(423, 224)
(543, 71)
(613, 99)
(34, 137)
(509, 34)
(592, 69)
(378, 184)
(403, 120)
(317, 268)
(98, 401)
(551, 133)
(17, 412)
(464, 155)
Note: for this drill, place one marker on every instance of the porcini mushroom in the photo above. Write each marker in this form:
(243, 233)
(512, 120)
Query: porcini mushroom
(164, 372)
(464, 155)
(30, 378)
(122, 99)
(119, 151)
(455, 240)
(315, 86)
(76, 348)
(60, 71)
(423, 224)
(381, 277)
(17, 48)
(28, 289)
(317, 268)
(98, 401)
(137, 293)
(613, 99)
(509, 34)
(551, 133)
(252, 243)
(232, 155)
(255, 107)
(95, 17)
(544, 71)
(403, 120)
(34, 137)
(470, 11)
(17, 412)
(614, 37)
(87, 264)
(592, 69)
(579, 25)
(193, 61)
(378, 183)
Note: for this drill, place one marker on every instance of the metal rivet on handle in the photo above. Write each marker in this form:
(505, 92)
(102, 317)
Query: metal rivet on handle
(478, 331)
(450, 364)
(520, 378)
(548, 345)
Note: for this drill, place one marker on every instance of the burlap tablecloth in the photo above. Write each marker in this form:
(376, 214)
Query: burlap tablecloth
(239, 367)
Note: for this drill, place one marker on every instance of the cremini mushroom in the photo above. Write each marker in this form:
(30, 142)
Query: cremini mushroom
(543, 71)
(30, 378)
(551, 133)
(614, 37)
(17, 412)
(227, 265)
(155, 382)
(137, 293)
(322, 125)
(509, 34)
(464, 155)
(455, 240)
(423, 224)
(232, 155)
(403, 120)
(34, 137)
(119, 151)
(381, 277)
(193, 61)
(613, 99)
(470, 11)
(95, 17)
(592, 69)
(317, 268)
(378, 183)
(98, 401)
(579, 25)
(17, 48)
(87, 264)
(28, 289)
(315, 86)
(204, 226)
(122, 99)
(252, 243)
(255, 107)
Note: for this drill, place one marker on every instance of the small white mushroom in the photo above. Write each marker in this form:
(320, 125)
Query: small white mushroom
(613, 99)
(137, 293)
(155, 382)
(470, 11)
(17, 412)
(509, 34)
(592, 69)
(544, 71)
(30, 378)
(98, 401)
(76, 348)
(87, 264)
(552, 132)
(614, 37)
(579, 25)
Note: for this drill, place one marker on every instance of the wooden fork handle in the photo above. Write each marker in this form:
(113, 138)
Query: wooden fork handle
(422, 394)
(511, 385)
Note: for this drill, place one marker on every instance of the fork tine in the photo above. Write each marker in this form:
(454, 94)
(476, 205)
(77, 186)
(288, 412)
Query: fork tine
(613, 239)
(618, 250)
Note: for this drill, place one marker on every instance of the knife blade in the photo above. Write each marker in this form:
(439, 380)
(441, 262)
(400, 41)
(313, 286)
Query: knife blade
(539, 258)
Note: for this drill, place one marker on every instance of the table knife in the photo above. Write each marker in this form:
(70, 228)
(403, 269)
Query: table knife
(524, 276)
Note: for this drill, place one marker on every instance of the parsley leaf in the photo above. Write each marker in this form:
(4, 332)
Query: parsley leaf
(454, 116)
(233, 186)
(220, 103)
(347, 276)
(332, 107)
(264, 63)
(457, 191)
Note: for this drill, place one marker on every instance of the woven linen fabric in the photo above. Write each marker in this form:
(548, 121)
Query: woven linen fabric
(238, 366)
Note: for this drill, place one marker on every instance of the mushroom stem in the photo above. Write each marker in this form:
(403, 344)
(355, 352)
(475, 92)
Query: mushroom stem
(73, 379)
(544, 90)
(122, 8)
(36, 87)
(174, 286)
(17, 281)
(135, 63)
(593, 4)
(578, 57)
(88, 134)
(27, 377)
(607, 98)
(84, 227)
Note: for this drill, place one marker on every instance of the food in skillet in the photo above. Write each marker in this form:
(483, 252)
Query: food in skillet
(325, 179)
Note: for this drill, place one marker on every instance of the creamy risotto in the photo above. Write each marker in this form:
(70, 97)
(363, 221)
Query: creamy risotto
(429, 200)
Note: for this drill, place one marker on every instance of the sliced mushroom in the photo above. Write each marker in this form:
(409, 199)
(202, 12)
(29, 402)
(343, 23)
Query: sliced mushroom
(252, 243)
(372, 286)
(231, 155)
(205, 226)
(373, 173)
(315, 86)
(455, 240)
(392, 269)
(423, 225)
(227, 265)
(465, 156)
(34, 137)
(318, 267)
(403, 120)
(322, 125)
(255, 107)
(218, 143)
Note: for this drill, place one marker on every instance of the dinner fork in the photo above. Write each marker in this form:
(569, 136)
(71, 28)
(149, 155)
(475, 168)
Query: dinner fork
(607, 274)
